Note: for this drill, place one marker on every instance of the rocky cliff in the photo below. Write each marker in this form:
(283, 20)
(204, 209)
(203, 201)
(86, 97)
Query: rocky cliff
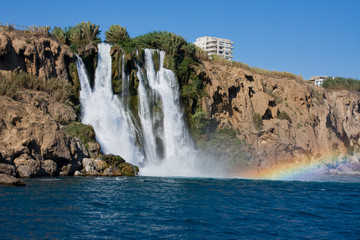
(32, 140)
(35, 54)
(260, 121)
(281, 120)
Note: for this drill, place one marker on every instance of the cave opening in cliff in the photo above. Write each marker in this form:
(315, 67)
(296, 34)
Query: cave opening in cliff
(267, 115)
(249, 78)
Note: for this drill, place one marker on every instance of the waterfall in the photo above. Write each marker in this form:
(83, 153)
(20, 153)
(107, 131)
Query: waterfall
(178, 151)
(157, 138)
(105, 112)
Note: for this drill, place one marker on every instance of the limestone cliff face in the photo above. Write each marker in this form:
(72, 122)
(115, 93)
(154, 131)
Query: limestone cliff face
(34, 54)
(32, 140)
(301, 122)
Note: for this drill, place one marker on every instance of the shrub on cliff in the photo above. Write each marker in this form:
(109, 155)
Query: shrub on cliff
(60, 90)
(59, 34)
(340, 83)
(112, 160)
(82, 131)
(258, 121)
(284, 116)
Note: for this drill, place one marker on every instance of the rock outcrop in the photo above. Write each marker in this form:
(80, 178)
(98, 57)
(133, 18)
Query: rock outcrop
(8, 180)
(35, 54)
(97, 167)
(300, 122)
(31, 139)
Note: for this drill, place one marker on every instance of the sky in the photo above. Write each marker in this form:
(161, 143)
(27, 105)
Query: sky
(307, 37)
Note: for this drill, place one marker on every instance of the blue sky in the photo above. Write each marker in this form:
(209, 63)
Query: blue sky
(308, 37)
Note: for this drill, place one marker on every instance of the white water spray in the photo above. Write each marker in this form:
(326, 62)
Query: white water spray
(103, 110)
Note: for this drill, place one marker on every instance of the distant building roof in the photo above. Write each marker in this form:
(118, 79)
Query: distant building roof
(319, 77)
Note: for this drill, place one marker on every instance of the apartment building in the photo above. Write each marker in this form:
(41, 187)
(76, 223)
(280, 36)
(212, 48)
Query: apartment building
(218, 46)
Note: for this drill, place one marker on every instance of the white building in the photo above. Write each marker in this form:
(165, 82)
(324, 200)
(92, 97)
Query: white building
(214, 45)
(318, 80)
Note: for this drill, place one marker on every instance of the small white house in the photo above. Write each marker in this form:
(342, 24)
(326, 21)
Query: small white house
(318, 80)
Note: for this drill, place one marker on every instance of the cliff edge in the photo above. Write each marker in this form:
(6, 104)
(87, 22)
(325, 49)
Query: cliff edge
(282, 121)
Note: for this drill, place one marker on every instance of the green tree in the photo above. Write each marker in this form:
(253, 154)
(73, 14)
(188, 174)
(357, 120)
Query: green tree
(59, 34)
(117, 34)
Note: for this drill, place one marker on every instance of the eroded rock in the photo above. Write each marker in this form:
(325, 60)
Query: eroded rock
(50, 167)
(7, 169)
(8, 180)
(33, 141)
(36, 55)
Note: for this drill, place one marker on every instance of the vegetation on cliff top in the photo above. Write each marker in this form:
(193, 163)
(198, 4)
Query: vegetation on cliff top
(340, 83)
(255, 70)
(78, 36)
(35, 30)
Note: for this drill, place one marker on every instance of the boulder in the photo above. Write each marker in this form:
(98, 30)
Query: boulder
(27, 167)
(50, 167)
(127, 169)
(100, 165)
(8, 180)
(7, 169)
(93, 167)
(78, 173)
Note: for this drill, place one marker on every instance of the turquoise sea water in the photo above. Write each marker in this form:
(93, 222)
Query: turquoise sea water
(180, 208)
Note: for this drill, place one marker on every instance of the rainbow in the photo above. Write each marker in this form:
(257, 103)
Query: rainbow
(290, 170)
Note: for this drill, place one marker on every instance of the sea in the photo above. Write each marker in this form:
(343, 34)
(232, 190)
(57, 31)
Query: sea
(180, 208)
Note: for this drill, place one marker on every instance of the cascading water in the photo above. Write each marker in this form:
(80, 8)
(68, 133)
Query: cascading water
(105, 112)
(165, 147)
(178, 152)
